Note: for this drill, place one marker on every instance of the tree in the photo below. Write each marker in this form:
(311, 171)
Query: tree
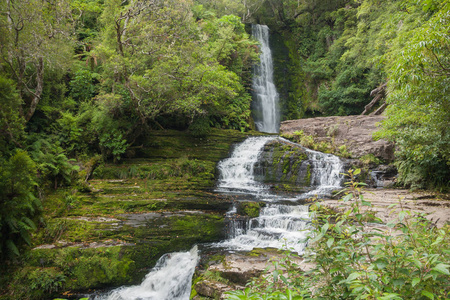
(159, 60)
(418, 95)
(35, 36)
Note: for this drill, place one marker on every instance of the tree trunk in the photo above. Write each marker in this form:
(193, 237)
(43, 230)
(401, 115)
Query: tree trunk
(36, 96)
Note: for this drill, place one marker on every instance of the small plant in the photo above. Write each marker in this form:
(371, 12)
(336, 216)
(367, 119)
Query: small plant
(370, 159)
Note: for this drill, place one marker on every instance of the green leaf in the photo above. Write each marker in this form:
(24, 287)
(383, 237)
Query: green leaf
(366, 203)
(357, 171)
(353, 276)
(330, 242)
(12, 247)
(415, 281)
(324, 228)
(437, 241)
(347, 197)
(389, 296)
(398, 282)
(275, 275)
(442, 268)
(428, 295)
(381, 264)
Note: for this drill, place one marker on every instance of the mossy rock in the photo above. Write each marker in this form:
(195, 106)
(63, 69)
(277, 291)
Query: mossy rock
(250, 209)
(284, 166)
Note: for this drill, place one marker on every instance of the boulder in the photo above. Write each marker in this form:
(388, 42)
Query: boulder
(284, 166)
(353, 131)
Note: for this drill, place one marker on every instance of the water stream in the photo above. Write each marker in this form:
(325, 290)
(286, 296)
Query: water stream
(282, 222)
(266, 111)
(170, 279)
(283, 219)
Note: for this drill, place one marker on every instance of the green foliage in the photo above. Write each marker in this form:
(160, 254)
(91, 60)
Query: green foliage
(47, 281)
(370, 160)
(11, 122)
(70, 268)
(82, 87)
(308, 141)
(69, 132)
(113, 144)
(200, 127)
(250, 209)
(409, 260)
(174, 67)
(53, 164)
(419, 104)
(18, 204)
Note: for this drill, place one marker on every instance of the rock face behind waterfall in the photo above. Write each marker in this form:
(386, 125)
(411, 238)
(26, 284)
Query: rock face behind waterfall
(284, 166)
(353, 131)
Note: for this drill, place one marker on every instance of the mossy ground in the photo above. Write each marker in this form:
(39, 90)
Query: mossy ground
(160, 199)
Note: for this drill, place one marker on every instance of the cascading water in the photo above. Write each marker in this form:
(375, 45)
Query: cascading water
(326, 175)
(170, 279)
(265, 105)
(278, 225)
(236, 172)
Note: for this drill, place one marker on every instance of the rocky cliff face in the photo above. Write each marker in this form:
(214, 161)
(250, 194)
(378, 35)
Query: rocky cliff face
(353, 131)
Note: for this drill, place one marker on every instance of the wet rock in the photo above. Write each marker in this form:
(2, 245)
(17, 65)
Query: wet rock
(284, 166)
(212, 289)
(223, 272)
(353, 131)
(250, 209)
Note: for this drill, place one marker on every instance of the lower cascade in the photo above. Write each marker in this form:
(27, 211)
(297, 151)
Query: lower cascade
(170, 279)
(282, 222)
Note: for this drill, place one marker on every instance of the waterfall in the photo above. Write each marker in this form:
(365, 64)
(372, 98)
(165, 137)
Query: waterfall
(170, 279)
(278, 225)
(265, 106)
(326, 173)
(236, 172)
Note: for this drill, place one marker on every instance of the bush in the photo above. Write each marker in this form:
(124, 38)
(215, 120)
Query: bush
(354, 261)
(18, 203)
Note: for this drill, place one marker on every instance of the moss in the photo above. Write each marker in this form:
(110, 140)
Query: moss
(173, 171)
(370, 160)
(288, 74)
(250, 209)
(307, 180)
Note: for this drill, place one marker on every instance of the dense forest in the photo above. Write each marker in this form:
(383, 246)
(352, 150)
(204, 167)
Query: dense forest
(86, 81)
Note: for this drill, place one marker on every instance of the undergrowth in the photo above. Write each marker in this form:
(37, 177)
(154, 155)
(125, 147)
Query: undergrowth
(408, 258)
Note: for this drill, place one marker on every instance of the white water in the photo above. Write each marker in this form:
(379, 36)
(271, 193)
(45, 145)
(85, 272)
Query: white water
(170, 279)
(236, 172)
(279, 225)
(326, 173)
(266, 111)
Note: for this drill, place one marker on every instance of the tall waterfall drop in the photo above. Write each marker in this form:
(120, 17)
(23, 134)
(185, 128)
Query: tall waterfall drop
(266, 110)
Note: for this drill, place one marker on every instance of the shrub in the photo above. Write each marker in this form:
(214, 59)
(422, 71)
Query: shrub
(354, 261)
(18, 203)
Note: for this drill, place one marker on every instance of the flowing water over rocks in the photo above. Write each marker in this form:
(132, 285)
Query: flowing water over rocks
(170, 279)
(283, 220)
(265, 106)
